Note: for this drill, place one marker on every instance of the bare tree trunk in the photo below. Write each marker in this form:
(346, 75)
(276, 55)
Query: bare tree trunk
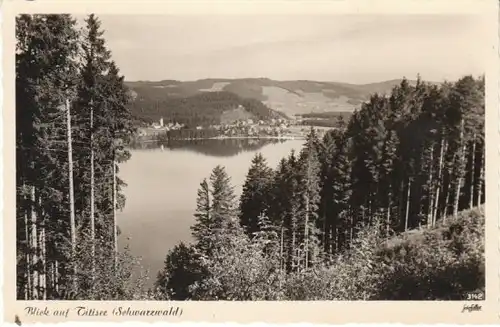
(34, 245)
(282, 263)
(115, 224)
(388, 213)
(439, 181)
(460, 172)
(71, 194)
(325, 234)
(481, 177)
(431, 193)
(306, 234)
(446, 202)
(472, 173)
(92, 195)
(43, 254)
(408, 204)
(56, 274)
(400, 204)
(351, 235)
(334, 245)
(294, 241)
(27, 273)
(370, 212)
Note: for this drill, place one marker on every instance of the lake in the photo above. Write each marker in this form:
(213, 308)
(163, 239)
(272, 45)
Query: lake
(162, 183)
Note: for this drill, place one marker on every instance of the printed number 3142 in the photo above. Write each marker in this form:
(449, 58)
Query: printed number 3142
(475, 296)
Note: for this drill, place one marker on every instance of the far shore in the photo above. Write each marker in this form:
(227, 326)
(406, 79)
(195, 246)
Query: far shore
(228, 138)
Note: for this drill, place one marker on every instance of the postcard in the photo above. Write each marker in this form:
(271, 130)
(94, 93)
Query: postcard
(251, 161)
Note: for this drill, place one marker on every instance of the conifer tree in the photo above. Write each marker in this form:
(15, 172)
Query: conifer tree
(342, 218)
(45, 72)
(308, 174)
(254, 200)
(203, 226)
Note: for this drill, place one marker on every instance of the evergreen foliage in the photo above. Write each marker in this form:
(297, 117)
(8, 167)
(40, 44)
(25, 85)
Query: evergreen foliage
(202, 109)
(382, 207)
(335, 221)
(72, 128)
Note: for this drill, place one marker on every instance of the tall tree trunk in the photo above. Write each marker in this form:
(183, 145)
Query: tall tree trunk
(115, 224)
(294, 244)
(27, 274)
(408, 196)
(370, 212)
(282, 262)
(460, 171)
(92, 195)
(481, 176)
(306, 234)
(431, 193)
(325, 235)
(472, 173)
(388, 212)
(351, 235)
(43, 253)
(439, 180)
(401, 207)
(71, 194)
(57, 276)
(43, 262)
(446, 202)
(334, 244)
(34, 245)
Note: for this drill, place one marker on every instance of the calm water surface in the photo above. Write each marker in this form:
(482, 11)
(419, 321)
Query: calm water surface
(162, 185)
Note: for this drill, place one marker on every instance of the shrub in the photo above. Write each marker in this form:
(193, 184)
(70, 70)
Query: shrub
(435, 264)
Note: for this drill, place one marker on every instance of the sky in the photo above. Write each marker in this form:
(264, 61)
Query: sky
(345, 48)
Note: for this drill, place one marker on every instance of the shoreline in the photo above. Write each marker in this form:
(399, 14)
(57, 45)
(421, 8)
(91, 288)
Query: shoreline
(228, 138)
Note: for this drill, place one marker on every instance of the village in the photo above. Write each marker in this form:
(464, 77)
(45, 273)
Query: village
(281, 128)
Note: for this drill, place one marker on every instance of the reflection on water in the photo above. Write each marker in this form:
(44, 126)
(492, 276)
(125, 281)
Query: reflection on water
(211, 147)
(162, 185)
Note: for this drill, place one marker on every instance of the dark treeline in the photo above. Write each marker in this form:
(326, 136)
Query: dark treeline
(328, 115)
(333, 119)
(72, 124)
(188, 133)
(404, 161)
(333, 123)
(198, 110)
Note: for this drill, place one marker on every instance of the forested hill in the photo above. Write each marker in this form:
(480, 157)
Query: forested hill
(371, 210)
(288, 97)
(211, 108)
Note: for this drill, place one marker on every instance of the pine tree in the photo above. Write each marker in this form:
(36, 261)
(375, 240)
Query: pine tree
(341, 215)
(308, 174)
(45, 70)
(254, 200)
(53, 148)
(182, 269)
(224, 207)
(203, 224)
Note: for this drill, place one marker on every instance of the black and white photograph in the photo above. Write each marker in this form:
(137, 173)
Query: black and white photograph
(306, 157)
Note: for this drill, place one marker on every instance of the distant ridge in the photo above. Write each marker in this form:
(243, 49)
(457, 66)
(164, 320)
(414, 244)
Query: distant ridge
(289, 97)
(181, 101)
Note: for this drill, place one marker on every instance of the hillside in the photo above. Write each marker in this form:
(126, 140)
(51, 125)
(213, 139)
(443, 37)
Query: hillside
(440, 263)
(201, 109)
(288, 97)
